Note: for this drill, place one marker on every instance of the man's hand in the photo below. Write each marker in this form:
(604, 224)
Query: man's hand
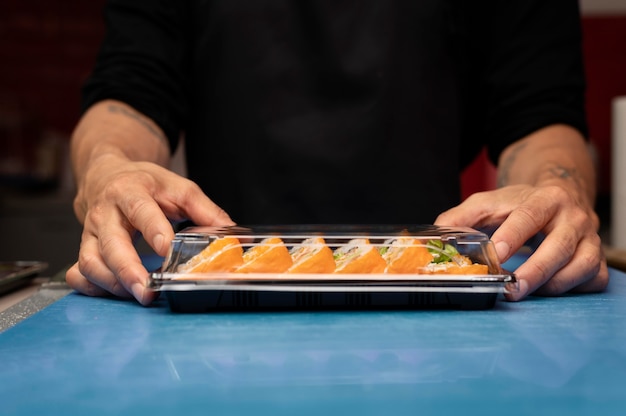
(547, 188)
(121, 199)
(119, 158)
(570, 256)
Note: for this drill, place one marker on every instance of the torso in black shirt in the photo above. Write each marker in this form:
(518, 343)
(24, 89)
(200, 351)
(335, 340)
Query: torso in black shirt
(317, 117)
(328, 111)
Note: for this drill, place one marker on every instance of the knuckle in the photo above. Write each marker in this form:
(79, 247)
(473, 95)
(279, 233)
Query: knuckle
(596, 241)
(79, 206)
(118, 289)
(564, 247)
(124, 272)
(592, 262)
(137, 207)
(595, 221)
(528, 217)
(601, 281)
(541, 271)
(554, 287)
(557, 193)
(579, 219)
(189, 191)
(124, 183)
(87, 263)
(107, 243)
(115, 187)
(95, 215)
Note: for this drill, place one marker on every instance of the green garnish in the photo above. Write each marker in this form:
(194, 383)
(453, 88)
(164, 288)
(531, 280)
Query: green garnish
(441, 252)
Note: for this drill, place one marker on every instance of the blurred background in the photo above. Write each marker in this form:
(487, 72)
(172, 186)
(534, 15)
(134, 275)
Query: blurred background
(47, 49)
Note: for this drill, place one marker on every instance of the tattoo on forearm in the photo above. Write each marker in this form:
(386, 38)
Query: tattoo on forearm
(566, 173)
(505, 166)
(116, 109)
(557, 171)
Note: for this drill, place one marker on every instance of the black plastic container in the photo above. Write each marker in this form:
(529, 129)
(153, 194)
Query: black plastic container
(462, 270)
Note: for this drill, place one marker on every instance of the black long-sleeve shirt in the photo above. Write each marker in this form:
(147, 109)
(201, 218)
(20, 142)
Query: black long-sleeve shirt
(328, 111)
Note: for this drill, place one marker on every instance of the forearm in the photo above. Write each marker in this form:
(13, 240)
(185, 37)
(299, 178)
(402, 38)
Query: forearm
(112, 128)
(109, 133)
(555, 155)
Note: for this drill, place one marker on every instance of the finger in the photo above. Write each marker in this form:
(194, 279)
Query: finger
(195, 205)
(597, 284)
(185, 200)
(77, 281)
(569, 279)
(144, 214)
(484, 210)
(584, 268)
(523, 223)
(470, 213)
(115, 262)
(124, 263)
(553, 265)
(92, 266)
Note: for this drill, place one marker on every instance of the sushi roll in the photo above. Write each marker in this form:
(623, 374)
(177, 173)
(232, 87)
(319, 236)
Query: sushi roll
(405, 255)
(269, 256)
(447, 260)
(221, 255)
(312, 256)
(460, 265)
(359, 256)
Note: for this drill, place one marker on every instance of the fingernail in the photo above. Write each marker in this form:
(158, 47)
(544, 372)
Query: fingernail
(502, 249)
(157, 242)
(516, 291)
(138, 291)
(523, 289)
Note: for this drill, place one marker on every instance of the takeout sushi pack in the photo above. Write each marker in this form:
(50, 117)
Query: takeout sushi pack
(324, 262)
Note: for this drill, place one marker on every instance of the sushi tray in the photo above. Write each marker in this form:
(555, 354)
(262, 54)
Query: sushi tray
(251, 268)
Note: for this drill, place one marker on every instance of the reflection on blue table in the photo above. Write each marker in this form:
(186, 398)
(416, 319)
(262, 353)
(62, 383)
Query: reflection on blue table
(104, 356)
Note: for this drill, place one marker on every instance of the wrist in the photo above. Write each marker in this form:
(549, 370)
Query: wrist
(569, 178)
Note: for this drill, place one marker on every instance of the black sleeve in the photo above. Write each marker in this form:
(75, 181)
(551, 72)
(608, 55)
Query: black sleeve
(534, 70)
(142, 60)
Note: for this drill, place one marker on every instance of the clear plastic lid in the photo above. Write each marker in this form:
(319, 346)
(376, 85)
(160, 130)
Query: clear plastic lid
(330, 252)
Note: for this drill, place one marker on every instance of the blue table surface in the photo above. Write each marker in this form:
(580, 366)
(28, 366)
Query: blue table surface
(96, 356)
